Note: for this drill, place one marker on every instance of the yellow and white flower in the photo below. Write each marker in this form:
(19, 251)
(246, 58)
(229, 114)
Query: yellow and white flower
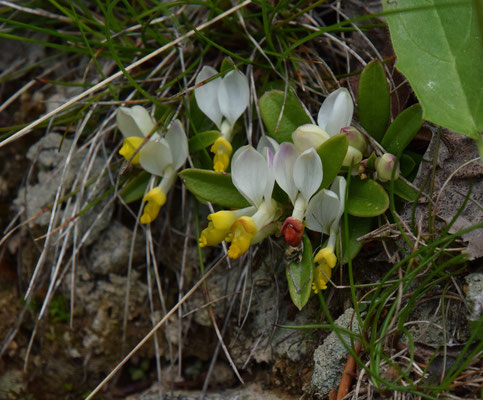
(223, 100)
(160, 156)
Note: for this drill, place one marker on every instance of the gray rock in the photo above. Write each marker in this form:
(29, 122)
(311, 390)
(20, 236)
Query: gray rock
(474, 295)
(50, 161)
(111, 254)
(331, 356)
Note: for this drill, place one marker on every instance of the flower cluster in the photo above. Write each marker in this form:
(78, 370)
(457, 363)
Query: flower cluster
(298, 170)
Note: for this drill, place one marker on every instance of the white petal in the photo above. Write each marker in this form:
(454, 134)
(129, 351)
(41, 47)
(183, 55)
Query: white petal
(134, 121)
(336, 111)
(178, 144)
(339, 187)
(266, 142)
(207, 95)
(249, 173)
(233, 95)
(307, 173)
(322, 211)
(284, 163)
(155, 156)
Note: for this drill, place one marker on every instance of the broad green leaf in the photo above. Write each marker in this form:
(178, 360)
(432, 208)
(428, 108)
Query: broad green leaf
(373, 102)
(402, 189)
(213, 186)
(299, 275)
(366, 198)
(332, 153)
(402, 130)
(293, 114)
(203, 140)
(439, 49)
(136, 188)
(357, 227)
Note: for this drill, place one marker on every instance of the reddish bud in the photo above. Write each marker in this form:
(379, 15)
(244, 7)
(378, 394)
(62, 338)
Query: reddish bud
(293, 230)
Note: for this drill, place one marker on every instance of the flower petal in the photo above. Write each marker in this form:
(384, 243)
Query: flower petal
(249, 172)
(322, 210)
(309, 135)
(266, 142)
(207, 95)
(307, 173)
(233, 95)
(178, 143)
(336, 111)
(134, 121)
(284, 163)
(155, 156)
(339, 187)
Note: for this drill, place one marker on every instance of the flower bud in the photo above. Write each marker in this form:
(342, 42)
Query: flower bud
(293, 230)
(307, 136)
(385, 166)
(353, 156)
(356, 138)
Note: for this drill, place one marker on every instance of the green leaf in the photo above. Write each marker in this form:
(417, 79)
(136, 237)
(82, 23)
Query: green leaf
(213, 186)
(357, 227)
(439, 50)
(374, 100)
(402, 189)
(366, 198)
(299, 275)
(406, 164)
(293, 114)
(332, 153)
(135, 188)
(202, 140)
(402, 130)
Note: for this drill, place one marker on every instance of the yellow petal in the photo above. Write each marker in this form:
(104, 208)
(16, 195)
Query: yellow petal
(222, 150)
(211, 236)
(240, 236)
(155, 199)
(129, 147)
(321, 276)
(326, 256)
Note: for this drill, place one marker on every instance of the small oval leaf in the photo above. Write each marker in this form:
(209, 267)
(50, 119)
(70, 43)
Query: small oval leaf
(332, 153)
(213, 186)
(366, 198)
(136, 187)
(403, 129)
(299, 276)
(293, 114)
(203, 140)
(374, 100)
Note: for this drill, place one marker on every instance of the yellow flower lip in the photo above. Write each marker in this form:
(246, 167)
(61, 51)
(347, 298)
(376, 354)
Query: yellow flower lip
(241, 234)
(322, 275)
(222, 149)
(326, 256)
(155, 199)
(129, 147)
(218, 227)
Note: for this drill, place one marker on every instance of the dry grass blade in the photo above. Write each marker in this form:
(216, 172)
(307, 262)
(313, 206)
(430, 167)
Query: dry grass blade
(119, 74)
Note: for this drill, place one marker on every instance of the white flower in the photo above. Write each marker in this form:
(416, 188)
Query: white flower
(300, 176)
(252, 175)
(223, 100)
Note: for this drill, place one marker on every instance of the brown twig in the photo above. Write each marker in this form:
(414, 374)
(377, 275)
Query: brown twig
(348, 373)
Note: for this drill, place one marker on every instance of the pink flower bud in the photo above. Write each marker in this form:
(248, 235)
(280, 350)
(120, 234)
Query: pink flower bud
(385, 166)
